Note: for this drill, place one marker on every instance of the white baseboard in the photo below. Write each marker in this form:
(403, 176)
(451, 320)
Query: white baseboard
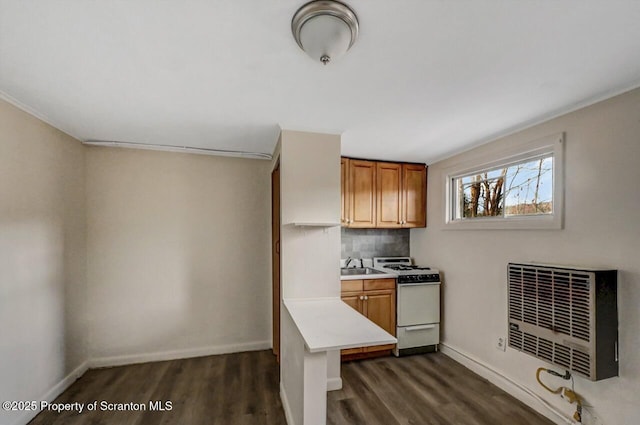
(54, 392)
(334, 384)
(285, 406)
(177, 354)
(517, 390)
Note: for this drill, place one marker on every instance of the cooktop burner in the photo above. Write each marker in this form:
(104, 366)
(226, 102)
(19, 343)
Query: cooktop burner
(406, 271)
(404, 267)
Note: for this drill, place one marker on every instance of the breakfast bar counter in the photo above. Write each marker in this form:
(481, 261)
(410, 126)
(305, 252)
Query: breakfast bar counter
(329, 324)
(324, 324)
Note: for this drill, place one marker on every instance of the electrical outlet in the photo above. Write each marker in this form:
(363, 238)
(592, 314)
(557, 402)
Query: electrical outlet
(501, 343)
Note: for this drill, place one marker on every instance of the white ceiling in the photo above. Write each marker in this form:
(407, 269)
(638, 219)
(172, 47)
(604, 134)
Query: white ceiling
(425, 79)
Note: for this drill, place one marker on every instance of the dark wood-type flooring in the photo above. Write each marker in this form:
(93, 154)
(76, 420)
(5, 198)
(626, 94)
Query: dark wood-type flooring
(429, 389)
(242, 389)
(228, 389)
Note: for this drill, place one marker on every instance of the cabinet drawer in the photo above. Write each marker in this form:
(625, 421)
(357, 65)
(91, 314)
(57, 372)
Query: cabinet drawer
(351, 285)
(379, 348)
(375, 284)
(418, 336)
(349, 351)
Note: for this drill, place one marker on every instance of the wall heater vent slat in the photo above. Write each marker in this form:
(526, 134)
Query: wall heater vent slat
(554, 313)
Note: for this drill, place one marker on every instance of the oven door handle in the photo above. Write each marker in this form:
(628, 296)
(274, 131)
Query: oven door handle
(419, 327)
(400, 285)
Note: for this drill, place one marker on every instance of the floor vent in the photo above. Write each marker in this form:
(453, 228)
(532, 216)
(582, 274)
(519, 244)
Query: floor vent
(555, 313)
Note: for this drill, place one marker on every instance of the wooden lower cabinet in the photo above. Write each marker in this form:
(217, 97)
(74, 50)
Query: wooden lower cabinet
(381, 309)
(375, 299)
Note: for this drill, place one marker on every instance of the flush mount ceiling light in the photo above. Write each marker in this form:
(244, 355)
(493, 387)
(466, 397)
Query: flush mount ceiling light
(325, 30)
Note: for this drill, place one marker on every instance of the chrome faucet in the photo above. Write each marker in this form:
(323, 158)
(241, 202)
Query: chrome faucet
(349, 260)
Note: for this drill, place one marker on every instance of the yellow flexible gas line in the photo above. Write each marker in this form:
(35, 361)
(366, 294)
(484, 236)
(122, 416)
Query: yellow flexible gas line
(570, 395)
(556, 391)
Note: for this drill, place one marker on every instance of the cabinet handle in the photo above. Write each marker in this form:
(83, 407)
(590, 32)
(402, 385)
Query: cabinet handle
(361, 297)
(366, 297)
(419, 328)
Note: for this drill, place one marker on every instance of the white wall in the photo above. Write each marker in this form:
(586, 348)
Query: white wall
(310, 192)
(179, 254)
(42, 259)
(309, 176)
(602, 228)
(310, 257)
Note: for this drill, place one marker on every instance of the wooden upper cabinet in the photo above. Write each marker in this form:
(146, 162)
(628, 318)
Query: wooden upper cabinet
(362, 194)
(383, 195)
(414, 195)
(344, 191)
(389, 194)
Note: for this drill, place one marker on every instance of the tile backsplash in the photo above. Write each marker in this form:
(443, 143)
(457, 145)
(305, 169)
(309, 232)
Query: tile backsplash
(368, 243)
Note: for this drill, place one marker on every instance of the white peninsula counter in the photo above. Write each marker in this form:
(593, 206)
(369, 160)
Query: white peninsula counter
(324, 324)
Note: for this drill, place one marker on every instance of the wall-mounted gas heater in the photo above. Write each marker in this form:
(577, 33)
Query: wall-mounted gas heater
(566, 316)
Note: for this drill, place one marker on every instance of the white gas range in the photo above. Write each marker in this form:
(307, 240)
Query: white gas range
(418, 304)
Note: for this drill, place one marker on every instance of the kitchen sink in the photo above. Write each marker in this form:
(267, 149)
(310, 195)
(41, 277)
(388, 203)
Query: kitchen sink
(358, 271)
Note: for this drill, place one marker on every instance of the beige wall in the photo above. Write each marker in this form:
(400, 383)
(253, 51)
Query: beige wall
(42, 258)
(112, 256)
(179, 254)
(602, 228)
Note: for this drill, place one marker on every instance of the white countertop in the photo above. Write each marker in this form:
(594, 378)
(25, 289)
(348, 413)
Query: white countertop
(329, 324)
(369, 276)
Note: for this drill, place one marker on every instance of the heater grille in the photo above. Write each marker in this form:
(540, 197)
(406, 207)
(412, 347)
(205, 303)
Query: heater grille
(552, 315)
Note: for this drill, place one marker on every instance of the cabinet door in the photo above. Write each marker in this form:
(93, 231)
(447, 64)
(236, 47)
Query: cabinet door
(354, 301)
(380, 308)
(362, 196)
(414, 194)
(389, 194)
(344, 191)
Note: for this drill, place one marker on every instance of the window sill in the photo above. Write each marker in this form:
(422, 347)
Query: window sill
(548, 222)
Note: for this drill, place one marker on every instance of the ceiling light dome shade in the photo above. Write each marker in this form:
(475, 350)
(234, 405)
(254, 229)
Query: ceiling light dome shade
(325, 30)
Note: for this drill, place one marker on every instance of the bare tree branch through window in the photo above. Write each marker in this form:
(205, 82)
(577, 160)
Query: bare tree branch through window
(525, 188)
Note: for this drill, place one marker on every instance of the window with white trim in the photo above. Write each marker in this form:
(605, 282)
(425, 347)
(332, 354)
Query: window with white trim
(519, 190)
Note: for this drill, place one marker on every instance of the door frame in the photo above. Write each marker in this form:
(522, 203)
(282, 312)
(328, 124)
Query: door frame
(276, 279)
